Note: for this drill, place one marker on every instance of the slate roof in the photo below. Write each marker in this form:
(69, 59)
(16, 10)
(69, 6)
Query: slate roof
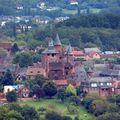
(95, 49)
(100, 79)
(69, 50)
(50, 49)
(3, 68)
(110, 72)
(57, 40)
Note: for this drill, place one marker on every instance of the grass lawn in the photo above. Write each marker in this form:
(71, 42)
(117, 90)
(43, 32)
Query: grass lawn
(66, 11)
(57, 106)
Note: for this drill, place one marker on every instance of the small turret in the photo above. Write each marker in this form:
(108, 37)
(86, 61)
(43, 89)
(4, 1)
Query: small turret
(69, 50)
(50, 45)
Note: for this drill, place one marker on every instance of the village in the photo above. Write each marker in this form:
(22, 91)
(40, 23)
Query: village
(90, 68)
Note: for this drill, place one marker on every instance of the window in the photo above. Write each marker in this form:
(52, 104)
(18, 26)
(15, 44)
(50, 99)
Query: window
(113, 89)
(101, 84)
(52, 55)
(109, 84)
(94, 85)
(38, 71)
(31, 71)
(66, 73)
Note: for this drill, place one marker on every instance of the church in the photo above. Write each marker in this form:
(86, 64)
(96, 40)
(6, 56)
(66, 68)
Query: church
(57, 61)
(59, 64)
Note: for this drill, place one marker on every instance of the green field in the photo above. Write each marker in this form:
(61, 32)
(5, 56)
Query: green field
(57, 106)
(66, 11)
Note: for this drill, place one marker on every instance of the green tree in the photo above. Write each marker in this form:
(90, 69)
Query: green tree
(70, 90)
(14, 115)
(99, 107)
(61, 94)
(29, 113)
(8, 78)
(109, 116)
(11, 96)
(76, 118)
(36, 57)
(37, 91)
(14, 48)
(24, 59)
(50, 89)
(66, 118)
(75, 100)
(52, 116)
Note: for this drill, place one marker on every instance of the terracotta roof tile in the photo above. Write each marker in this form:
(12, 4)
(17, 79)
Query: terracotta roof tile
(60, 82)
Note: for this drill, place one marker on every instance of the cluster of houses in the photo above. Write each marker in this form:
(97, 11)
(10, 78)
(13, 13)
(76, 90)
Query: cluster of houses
(70, 65)
(66, 65)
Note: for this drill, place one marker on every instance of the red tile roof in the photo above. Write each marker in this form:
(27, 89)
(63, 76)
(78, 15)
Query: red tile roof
(33, 71)
(6, 45)
(61, 82)
(116, 83)
(78, 53)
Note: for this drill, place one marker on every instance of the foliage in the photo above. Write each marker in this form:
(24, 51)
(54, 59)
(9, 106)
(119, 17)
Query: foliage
(52, 116)
(29, 113)
(14, 48)
(99, 107)
(38, 80)
(94, 20)
(17, 112)
(109, 116)
(37, 91)
(14, 115)
(66, 118)
(57, 106)
(32, 44)
(61, 94)
(75, 100)
(36, 58)
(70, 90)
(76, 118)
(72, 109)
(7, 78)
(50, 89)
(11, 96)
(23, 59)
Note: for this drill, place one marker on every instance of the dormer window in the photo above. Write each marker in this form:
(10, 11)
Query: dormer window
(52, 55)
(94, 85)
(109, 84)
(101, 84)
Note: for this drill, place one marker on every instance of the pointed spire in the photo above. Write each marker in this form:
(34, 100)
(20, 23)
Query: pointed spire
(57, 40)
(69, 50)
(50, 45)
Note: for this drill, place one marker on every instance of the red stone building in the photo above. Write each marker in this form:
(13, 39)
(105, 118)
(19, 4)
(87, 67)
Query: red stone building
(6, 45)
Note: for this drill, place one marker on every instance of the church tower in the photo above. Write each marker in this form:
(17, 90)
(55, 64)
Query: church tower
(49, 55)
(69, 65)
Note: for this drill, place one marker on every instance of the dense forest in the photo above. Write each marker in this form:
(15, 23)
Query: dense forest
(31, 7)
(84, 31)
